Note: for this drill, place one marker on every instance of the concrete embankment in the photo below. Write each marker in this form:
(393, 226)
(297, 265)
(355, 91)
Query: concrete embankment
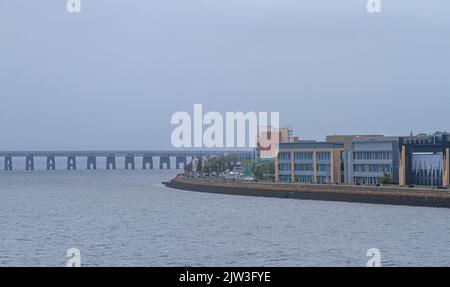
(348, 193)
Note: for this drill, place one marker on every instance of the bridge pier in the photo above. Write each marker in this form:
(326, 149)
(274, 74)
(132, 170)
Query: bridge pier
(71, 163)
(129, 160)
(162, 160)
(110, 162)
(51, 165)
(147, 159)
(181, 160)
(29, 162)
(8, 162)
(91, 161)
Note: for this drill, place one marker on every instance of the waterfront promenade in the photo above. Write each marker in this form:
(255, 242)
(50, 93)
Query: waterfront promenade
(430, 197)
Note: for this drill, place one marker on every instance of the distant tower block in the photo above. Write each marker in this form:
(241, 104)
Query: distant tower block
(181, 160)
(129, 160)
(8, 163)
(91, 162)
(51, 163)
(148, 159)
(29, 163)
(162, 160)
(71, 163)
(110, 162)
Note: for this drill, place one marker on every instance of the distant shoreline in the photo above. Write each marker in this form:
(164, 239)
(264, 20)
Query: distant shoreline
(392, 195)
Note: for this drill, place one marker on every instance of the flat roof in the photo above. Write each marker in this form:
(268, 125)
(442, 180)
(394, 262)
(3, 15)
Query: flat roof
(310, 145)
(364, 137)
(383, 139)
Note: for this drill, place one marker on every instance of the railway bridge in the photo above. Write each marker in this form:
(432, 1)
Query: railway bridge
(182, 157)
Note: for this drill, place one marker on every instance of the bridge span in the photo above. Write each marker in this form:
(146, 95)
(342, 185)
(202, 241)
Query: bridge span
(182, 157)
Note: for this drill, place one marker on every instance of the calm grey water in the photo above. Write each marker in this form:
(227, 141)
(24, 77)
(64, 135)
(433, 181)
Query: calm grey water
(123, 218)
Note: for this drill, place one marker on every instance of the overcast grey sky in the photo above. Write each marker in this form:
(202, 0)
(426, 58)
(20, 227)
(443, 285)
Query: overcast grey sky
(112, 76)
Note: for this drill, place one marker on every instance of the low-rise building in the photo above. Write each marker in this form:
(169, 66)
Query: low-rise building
(425, 159)
(309, 162)
(367, 158)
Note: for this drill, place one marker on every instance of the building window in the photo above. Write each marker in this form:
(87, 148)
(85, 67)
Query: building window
(304, 178)
(323, 167)
(284, 155)
(323, 155)
(373, 155)
(284, 178)
(284, 167)
(323, 179)
(378, 168)
(366, 180)
(303, 155)
(303, 167)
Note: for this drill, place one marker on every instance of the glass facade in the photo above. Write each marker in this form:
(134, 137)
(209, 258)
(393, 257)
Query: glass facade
(378, 168)
(323, 156)
(372, 160)
(367, 180)
(323, 179)
(304, 178)
(284, 155)
(284, 177)
(348, 159)
(303, 155)
(427, 169)
(309, 162)
(304, 167)
(386, 155)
